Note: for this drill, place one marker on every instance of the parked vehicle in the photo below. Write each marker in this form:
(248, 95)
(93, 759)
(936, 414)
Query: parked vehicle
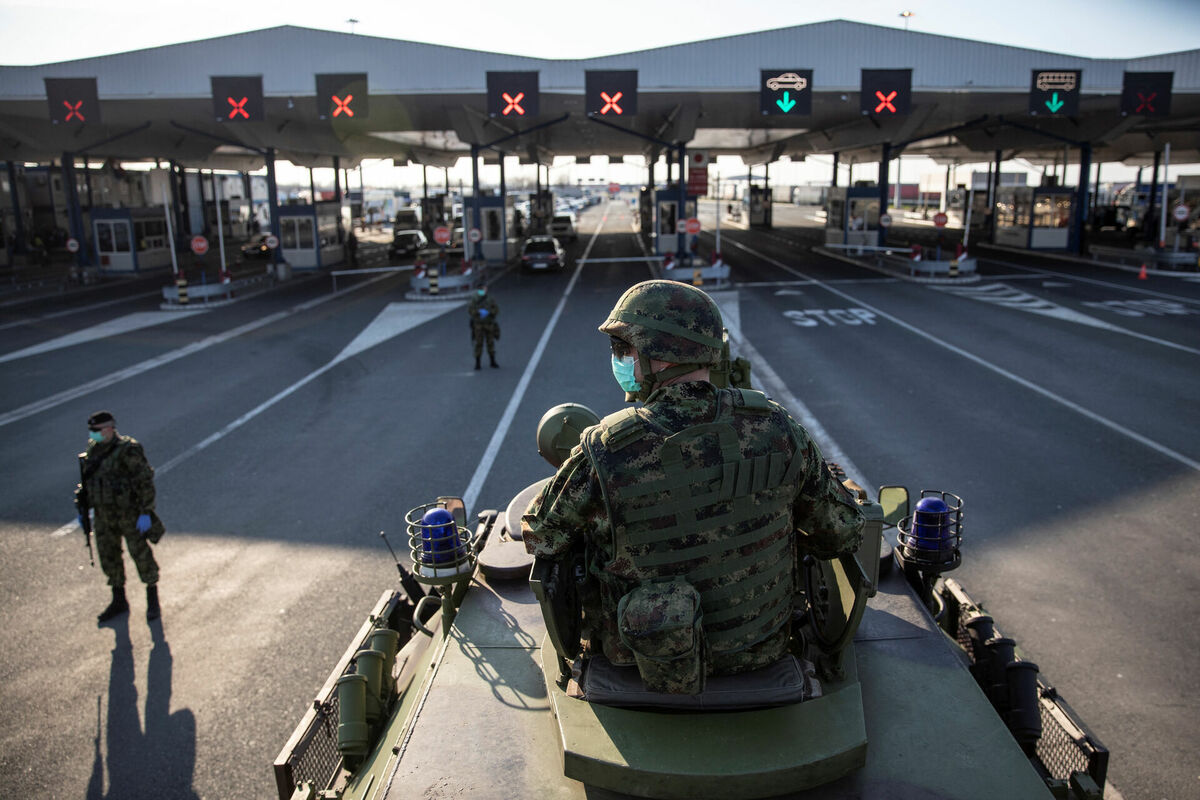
(543, 252)
(407, 243)
(563, 227)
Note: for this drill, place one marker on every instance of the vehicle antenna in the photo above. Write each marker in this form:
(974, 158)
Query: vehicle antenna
(412, 586)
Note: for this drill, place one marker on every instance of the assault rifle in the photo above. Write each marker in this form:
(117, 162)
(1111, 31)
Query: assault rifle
(85, 518)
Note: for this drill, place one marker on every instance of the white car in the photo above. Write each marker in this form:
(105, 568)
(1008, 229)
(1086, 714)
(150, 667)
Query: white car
(563, 227)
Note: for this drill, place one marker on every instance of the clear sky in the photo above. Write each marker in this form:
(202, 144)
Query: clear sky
(47, 31)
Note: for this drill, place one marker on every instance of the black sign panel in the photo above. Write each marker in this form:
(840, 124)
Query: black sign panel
(1147, 94)
(785, 92)
(73, 100)
(886, 92)
(611, 92)
(342, 96)
(238, 98)
(1055, 92)
(512, 94)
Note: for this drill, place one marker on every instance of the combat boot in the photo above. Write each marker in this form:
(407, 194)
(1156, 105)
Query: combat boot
(153, 612)
(476, 362)
(117, 607)
(492, 356)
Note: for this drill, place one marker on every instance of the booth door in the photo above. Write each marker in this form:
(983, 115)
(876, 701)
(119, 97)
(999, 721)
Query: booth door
(114, 249)
(297, 242)
(667, 239)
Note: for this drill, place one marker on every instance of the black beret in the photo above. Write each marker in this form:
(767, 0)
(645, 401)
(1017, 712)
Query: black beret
(101, 418)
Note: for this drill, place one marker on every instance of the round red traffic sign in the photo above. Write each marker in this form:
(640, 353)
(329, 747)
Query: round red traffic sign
(441, 234)
(1181, 213)
(272, 241)
(693, 225)
(475, 235)
(72, 245)
(939, 219)
(885, 220)
(614, 188)
(199, 245)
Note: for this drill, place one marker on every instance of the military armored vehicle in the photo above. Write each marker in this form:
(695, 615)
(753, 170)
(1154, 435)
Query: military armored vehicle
(463, 681)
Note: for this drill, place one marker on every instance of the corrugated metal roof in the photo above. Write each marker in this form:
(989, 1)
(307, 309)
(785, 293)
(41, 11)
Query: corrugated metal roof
(287, 57)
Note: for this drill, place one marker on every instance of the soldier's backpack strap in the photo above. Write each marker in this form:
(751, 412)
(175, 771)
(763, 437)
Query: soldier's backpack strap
(621, 429)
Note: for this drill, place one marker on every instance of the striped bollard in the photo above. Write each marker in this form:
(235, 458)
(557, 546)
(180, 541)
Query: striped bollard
(181, 288)
(433, 278)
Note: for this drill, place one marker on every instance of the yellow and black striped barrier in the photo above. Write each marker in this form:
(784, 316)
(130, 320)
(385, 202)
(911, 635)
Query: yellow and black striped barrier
(434, 271)
(181, 288)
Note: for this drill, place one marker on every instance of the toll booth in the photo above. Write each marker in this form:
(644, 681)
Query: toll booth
(130, 239)
(760, 207)
(646, 210)
(852, 215)
(433, 214)
(1034, 217)
(668, 237)
(308, 235)
(541, 211)
(496, 225)
(235, 218)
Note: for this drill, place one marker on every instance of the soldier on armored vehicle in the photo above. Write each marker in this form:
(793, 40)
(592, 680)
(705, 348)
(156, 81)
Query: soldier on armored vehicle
(692, 511)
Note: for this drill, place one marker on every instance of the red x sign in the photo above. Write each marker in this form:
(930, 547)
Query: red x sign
(885, 102)
(73, 110)
(1144, 103)
(610, 103)
(514, 103)
(238, 107)
(343, 106)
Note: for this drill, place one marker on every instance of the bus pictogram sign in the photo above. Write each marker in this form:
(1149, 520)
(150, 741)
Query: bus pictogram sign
(1055, 92)
(1147, 94)
(238, 98)
(611, 92)
(886, 92)
(342, 96)
(512, 94)
(785, 92)
(72, 100)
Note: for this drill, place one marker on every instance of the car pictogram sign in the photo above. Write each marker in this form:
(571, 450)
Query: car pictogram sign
(1147, 94)
(342, 96)
(611, 93)
(785, 92)
(73, 100)
(886, 92)
(238, 98)
(513, 94)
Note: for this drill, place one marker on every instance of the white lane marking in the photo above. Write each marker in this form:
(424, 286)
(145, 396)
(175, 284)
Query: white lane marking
(471, 494)
(1004, 295)
(166, 358)
(1017, 379)
(1098, 282)
(113, 327)
(392, 321)
(79, 310)
(778, 390)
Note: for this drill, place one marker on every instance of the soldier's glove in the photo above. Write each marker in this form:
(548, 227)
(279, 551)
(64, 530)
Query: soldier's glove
(143, 523)
(483, 312)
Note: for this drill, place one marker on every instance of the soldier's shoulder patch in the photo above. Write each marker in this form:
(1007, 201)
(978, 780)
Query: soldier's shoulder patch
(620, 429)
(753, 402)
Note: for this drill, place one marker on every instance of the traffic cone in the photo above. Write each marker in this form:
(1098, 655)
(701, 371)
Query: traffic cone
(1142, 274)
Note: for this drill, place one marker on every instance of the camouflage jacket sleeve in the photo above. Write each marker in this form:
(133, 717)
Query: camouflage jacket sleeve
(569, 506)
(141, 474)
(824, 509)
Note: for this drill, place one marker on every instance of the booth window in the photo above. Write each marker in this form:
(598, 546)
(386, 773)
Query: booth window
(104, 237)
(287, 234)
(493, 224)
(1052, 211)
(835, 211)
(304, 231)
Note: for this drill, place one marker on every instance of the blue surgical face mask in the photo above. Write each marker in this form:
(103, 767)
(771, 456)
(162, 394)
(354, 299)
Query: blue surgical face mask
(96, 436)
(623, 371)
(481, 292)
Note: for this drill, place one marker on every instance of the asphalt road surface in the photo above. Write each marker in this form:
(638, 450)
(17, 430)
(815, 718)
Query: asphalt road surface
(291, 427)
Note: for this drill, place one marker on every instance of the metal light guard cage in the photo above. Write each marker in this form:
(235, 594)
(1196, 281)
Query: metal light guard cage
(455, 553)
(932, 554)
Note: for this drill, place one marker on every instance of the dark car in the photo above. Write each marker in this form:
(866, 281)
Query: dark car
(256, 248)
(407, 243)
(543, 252)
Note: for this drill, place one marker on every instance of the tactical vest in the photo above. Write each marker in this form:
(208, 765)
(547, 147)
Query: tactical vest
(109, 487)
(720, 518)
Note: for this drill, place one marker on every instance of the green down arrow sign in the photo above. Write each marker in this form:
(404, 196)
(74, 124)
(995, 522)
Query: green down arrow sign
(787, 104)
(1054, 104)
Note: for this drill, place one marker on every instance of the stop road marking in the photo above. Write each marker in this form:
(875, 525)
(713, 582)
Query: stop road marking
(832, 316)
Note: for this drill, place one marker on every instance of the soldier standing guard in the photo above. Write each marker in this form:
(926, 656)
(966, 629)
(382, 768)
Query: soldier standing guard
(117, 482)
(484, 328)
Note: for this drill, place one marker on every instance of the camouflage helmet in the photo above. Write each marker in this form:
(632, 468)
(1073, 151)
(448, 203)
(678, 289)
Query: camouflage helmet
(668, 321)
(560, 430)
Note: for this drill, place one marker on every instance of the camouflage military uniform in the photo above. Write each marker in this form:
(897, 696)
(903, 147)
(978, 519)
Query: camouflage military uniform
(789, 506)
(484, 327)
(120, 489)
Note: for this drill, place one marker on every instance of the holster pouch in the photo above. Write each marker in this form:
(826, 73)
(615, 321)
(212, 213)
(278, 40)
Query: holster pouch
(660, 621)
